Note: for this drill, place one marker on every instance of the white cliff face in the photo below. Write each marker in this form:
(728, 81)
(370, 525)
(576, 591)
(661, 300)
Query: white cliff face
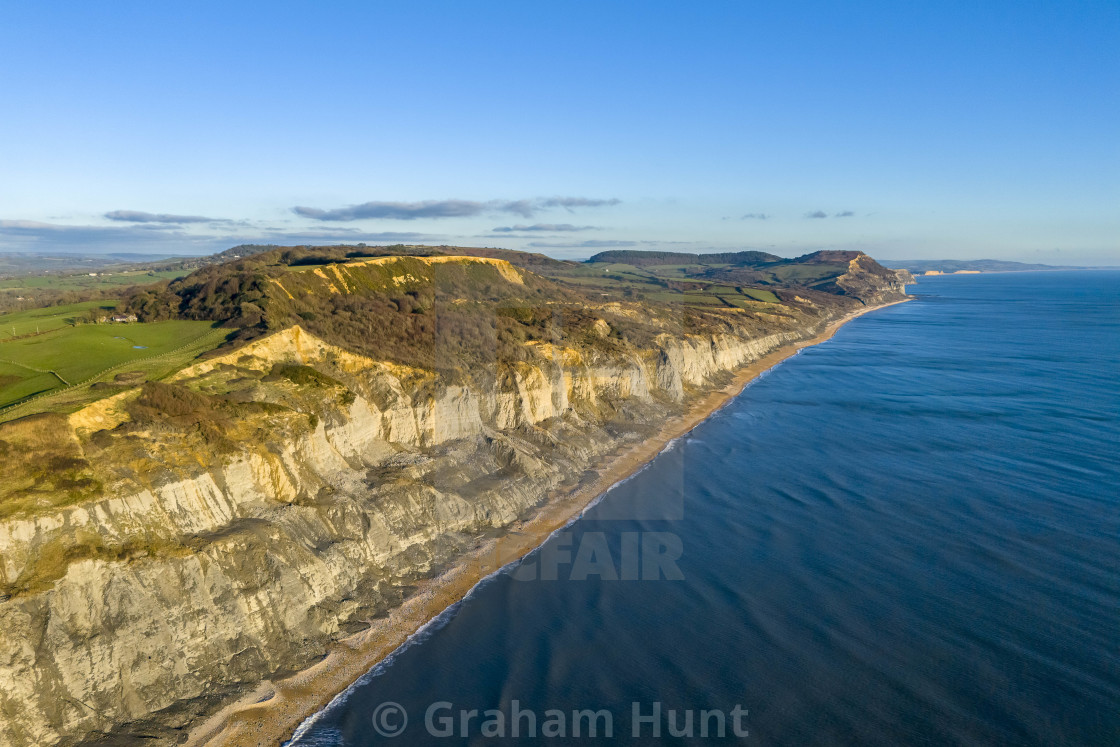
(179, 587)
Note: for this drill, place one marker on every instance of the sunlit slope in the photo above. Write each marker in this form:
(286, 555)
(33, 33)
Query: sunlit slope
(735, 280)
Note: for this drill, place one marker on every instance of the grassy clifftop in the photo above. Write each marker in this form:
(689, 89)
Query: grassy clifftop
(457, 319)
(437, 308)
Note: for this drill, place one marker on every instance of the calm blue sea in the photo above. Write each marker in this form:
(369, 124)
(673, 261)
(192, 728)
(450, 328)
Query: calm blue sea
(909, 534)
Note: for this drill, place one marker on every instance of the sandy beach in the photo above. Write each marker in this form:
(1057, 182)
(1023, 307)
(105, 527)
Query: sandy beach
(270, 714)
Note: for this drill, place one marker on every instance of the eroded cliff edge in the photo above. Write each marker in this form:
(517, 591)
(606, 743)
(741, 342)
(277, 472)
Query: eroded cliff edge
(191, 559)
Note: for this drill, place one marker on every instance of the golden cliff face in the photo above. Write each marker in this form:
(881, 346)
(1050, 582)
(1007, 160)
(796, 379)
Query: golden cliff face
(315, 514)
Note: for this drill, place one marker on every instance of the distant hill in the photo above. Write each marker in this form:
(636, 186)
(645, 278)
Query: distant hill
(238, 252)
(972, 265)
(14, 264)
(652, 259)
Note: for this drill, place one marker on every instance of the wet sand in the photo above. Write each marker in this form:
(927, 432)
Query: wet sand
(270, 714)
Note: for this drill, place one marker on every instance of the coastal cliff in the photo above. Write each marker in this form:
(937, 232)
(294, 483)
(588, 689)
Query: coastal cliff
(199, 535)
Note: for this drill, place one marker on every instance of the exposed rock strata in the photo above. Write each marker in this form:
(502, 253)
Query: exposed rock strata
(197, 576)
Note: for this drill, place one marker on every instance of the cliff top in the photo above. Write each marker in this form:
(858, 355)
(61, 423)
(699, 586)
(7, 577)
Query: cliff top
(429, 308)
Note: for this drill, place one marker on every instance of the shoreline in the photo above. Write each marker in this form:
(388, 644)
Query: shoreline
(271, 714)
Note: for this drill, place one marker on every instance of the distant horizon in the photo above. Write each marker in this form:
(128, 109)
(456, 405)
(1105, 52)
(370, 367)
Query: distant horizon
(161, 256)
(67, 242)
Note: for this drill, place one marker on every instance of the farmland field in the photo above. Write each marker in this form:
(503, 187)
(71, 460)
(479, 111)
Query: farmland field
(760, 295)
(807, 274)
(75, 355)
(33, 321)
(18, 382)
(84, 281)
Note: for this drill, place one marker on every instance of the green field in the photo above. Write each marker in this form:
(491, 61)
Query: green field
(760, 295)
(686, 283)
(34, 321)
(70, 356)
(805, 274)
(84, 281)
(18, 382)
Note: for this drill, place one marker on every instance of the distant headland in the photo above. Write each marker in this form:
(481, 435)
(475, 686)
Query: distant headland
(973, 266)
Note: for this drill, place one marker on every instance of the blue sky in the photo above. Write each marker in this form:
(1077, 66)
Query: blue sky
(905, 129)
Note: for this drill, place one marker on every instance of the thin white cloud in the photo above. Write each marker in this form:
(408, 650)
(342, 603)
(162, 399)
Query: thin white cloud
(445, 208)
(589, 244)
(347, 235)
(544, 228)
(138, 216)
(26, 235)
(574, 202)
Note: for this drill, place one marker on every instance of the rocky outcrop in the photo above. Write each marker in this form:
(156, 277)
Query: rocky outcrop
(195, 575)
(872, 283)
